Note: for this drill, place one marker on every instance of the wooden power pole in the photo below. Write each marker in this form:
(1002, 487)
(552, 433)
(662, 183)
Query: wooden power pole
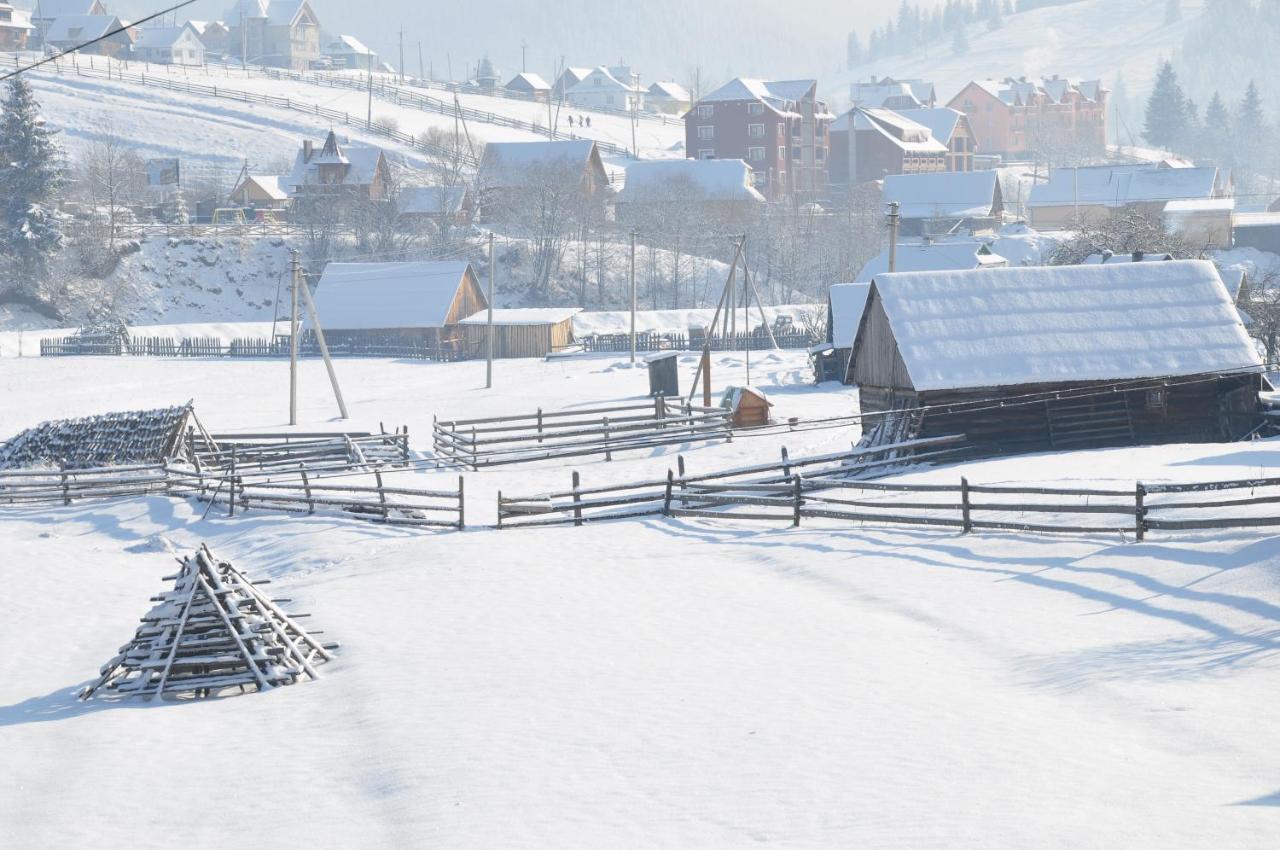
(893, 235)
(294, 273)
(488, 368)
(633, 296)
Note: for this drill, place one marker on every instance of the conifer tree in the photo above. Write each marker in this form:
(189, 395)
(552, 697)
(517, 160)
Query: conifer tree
(30, 176)
(1166, 110)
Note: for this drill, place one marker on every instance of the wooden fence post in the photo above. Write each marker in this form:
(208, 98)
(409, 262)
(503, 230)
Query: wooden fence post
(577, 500)
(475, 450)
(382, 494)
(1140, 511)
(66, 490)
(539, 424)
(795, 522)
(786, 464)
(608, 454)
(306, 486)
(964, 505)
(666, 498)
(499, 509)
(404, 443)
(231, 502)
(462, 505)
(684, 503)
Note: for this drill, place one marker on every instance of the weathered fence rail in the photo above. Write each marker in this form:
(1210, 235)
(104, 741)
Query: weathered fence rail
(81, 346)
(756, 341)
(680, 488)
(546, 435)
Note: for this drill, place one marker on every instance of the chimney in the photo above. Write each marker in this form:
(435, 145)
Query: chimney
(306, 150)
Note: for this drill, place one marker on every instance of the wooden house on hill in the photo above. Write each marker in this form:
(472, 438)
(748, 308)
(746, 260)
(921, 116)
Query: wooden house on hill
(952, 255)
(416, 303)
(515, 173)
(520, 332)
(530, 85)
(15, 27)
(69, 31)
(1059, 357)
(260, 192)
(337, 169)
(279, 33)
(722, 187)
(947, 202)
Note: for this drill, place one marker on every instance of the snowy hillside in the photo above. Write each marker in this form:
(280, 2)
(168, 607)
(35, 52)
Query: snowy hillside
(1088, 39)
(642, 684)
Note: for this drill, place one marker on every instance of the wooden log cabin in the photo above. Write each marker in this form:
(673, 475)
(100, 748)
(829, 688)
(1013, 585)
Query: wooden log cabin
(522, 332)
(415, 303)
(1027, 359)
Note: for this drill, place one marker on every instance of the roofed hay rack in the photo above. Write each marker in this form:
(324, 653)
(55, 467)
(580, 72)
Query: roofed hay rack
(214, 631)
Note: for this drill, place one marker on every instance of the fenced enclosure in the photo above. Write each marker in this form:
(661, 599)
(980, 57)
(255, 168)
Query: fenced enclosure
(545, 435)
(581, 504)
(315, 451)
(647, 342)
(363, 345)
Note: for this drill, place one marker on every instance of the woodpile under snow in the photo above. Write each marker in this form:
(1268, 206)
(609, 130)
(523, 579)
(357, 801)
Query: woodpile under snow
(215, 630)
(109, 439)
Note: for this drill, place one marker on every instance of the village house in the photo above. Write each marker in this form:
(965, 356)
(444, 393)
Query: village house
(530, 85)
(602, 90)
(893, 94)
(928, 256)
(1073, 196)
(44, 12)
(339, 170)
(513, 173)
(68, 31)
(883, 143)
(214, 35)
(951, 128)
(845, 305)
(349, 52)
(414, 303)
(169, 45)
(1019, 117)
(519, 332)
(668, 98)
(719, 188)
(947, 202)
(779, 128)
(568, 78)
(1082, 356)
(260, 192)
(438, 205)
(15, 27)
(278, 33)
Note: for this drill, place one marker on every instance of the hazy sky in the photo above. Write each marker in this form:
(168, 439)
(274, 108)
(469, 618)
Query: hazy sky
(660, 38)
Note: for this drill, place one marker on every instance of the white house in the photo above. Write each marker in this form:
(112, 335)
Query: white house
(347, 51)
(169, 45)
(602, 90)
(668, 97)
(724, 184)
(15, 27)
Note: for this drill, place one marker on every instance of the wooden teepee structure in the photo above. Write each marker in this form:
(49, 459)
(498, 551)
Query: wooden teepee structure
(213, 631)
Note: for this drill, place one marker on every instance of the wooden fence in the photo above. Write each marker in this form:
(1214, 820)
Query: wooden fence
(364, 346)
(577, 433)
(254, 454)
(307, 494)
(581, 504)
(756, 341)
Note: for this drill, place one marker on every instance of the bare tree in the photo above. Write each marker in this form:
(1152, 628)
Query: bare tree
(1126, 231)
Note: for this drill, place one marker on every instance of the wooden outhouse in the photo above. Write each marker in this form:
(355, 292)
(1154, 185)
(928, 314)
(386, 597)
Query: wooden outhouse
(524, 332)
(1059, 357)
(420, 303)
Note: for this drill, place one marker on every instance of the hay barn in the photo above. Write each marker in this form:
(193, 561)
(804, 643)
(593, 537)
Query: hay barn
(524, 332)
(1060, 357)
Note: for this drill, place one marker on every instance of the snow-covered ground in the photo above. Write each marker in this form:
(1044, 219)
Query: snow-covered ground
(649, 683)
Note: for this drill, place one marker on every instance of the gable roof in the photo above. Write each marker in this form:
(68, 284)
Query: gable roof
(666, 180)
(1118, 185)
(523, 316)
(516, 164)
(934, 257)
(159, 38)
(47, 9)
(941, 120)
(669, 90)
(896, 129)
(277, 12)
(848, 301)
(368, 296)
(362, 162)
(268, 183)
(1052, 324)
(776, 93)
(891, 92)
(348, 44)
(601, 79)
(946, 194)
(85, 27)
(432, 200)
(529, 81)
(19, 19)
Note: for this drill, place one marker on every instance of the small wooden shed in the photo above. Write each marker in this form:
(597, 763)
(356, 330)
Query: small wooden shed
(521, 332)
(845, 305)
(417, 303)
(1060, 357)
(750, 407)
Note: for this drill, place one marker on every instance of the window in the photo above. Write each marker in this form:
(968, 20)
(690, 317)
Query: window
(755, 131)
(706, 110)
(782, 152)
(820, 154)
(782, 131)
(706, 154)
(755, 154)
(1156, 399)
(707, 132)
(608, 99)
(759, 179)
(796, 153)
(755, 109)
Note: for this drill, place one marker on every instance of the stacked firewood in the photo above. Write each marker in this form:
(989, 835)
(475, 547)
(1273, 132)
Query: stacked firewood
(110, 439)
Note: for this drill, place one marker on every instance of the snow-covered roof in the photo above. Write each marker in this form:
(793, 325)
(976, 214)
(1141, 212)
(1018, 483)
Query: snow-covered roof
(527, 80)
(941, 120)
(1024, 91)
(61, 8)
(432, 200)
(882, 93)
(277, 12)
(348, 44)
(161, 38)
(897, 130)
(524, 316)
(1115, 186)
(76, 28)
(946, 194)
(1134, 257)
(361, 161)
(19, 19)
(1195, 205)
(1051, 324)
(848, 302)
(669, 90)
(514, 164)
(777, 93)
(665, 180)
(934, 257)
(601, 79)
(368, 296)
(1233, 278)
(270, 185)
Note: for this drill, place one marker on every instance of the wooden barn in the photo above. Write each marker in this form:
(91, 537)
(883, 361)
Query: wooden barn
(523, 332)
(418, 303)
(1021, 359)
(846, 303)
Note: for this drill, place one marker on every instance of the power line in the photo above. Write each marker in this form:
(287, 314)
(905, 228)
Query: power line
(94, 41)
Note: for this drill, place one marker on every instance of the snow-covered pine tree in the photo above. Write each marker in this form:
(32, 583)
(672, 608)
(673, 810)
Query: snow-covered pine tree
(30, 176)
(1218, 131)
(853, 50)
(1166, 110)
(175, 208)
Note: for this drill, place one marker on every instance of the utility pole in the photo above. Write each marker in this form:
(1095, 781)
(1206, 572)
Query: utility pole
(324, 347)
(244, 43)
(488, 368)
(368, 121)
(402, 56)
(633, 296)
(893, 235)
(524, 46)
(295, 273)
(422, 74)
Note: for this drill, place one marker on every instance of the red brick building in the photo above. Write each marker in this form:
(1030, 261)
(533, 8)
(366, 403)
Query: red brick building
(870, 144)
(1016, 118)
(780, 129)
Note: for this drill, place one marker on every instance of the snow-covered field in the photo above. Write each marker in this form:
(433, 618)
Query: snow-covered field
(641, 684)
